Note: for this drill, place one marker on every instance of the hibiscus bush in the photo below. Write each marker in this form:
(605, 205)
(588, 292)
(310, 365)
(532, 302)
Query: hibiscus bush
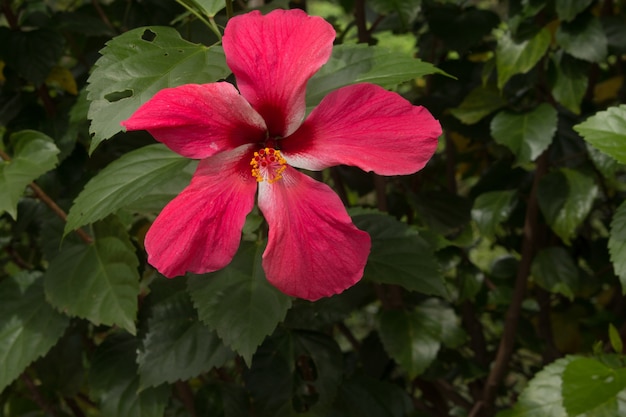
(312, 208)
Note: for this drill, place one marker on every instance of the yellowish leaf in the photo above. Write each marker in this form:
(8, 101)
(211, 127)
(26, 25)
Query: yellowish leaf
(63, 79)
(607, 90)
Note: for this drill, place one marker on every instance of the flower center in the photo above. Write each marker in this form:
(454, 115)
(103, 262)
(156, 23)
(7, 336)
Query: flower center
(268, 165)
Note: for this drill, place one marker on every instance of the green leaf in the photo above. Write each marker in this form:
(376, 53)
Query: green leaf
(113, 380)
(527, 135)
(29, 326)
(552, 193)
(319, 366)
(568, 9)
(492, 208)
(571, 81)
(35, 154)
(177, 345)
(443, 212)
(405, 9)
(295, 373)
(469, 281)
(582, 192)
(63, 367)
(99, 281)
(351, 64)
(554, 270)
(616, 340)
(519, 58)
(617, 244)
(271, 376)
(565, 198)
(542, 397)
(584, 39)
(413, 338)
(445, 324)
(462, 27)
(365, 396)
(606, 165)
(238, 302)
(126, 181)
(31, 53)
(159, 196)
(216, 397)
(399, 256)
(588, 384)
(137, 64)
(209, 7)
(615, 31)
(479, 103)
(606, 131)
(408, 340)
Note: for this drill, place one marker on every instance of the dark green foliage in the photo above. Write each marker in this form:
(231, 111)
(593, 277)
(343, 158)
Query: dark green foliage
(496, 279)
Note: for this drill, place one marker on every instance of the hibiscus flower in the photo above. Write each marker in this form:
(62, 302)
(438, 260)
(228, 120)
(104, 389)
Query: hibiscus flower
(254, 136)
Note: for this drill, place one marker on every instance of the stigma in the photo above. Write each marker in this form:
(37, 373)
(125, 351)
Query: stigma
(268, 165)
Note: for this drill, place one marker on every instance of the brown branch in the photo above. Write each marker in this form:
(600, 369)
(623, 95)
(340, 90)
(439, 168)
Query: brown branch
(449, 392)
(42, 90)
(17, 259)
(507, 342)
(347, 333)
(103, 16)
(185, 395)
(475, 331)
(450, 152)
(41, 195)
(375, 24)
(429, 391)
(550, 353)
(363, 34)
(222, 375)
(46, 100)
(390, 296)
(338, 185)
(5, 7)
(380, 186)
(73, 405)
(36, 395)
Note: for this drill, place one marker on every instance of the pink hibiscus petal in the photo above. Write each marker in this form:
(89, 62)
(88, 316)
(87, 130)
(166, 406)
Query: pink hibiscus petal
(366, 126)
(198, 121)
(199, 231)
(273, 57)
(313, 249)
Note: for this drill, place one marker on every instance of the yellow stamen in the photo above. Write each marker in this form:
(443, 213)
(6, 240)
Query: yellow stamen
(268, 165)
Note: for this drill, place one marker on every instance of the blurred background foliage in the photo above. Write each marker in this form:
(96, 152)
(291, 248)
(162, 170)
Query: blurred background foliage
(496, 281)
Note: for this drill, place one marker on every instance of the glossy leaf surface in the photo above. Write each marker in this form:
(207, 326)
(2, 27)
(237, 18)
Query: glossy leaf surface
(177, 346)
(399, 256)
(260, 306)
(35, 154)
(29, 326)
(99, 281)
(127, 181)
(527, 135)
(137, 64)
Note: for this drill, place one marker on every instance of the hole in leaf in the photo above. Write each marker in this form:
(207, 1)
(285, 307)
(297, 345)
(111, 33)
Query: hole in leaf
(148, 35)
(305, 394)
(304, 397)
(306, 368)
(118, 95)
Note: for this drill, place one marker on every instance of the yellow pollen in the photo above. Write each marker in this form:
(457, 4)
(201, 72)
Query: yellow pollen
(268, 165)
